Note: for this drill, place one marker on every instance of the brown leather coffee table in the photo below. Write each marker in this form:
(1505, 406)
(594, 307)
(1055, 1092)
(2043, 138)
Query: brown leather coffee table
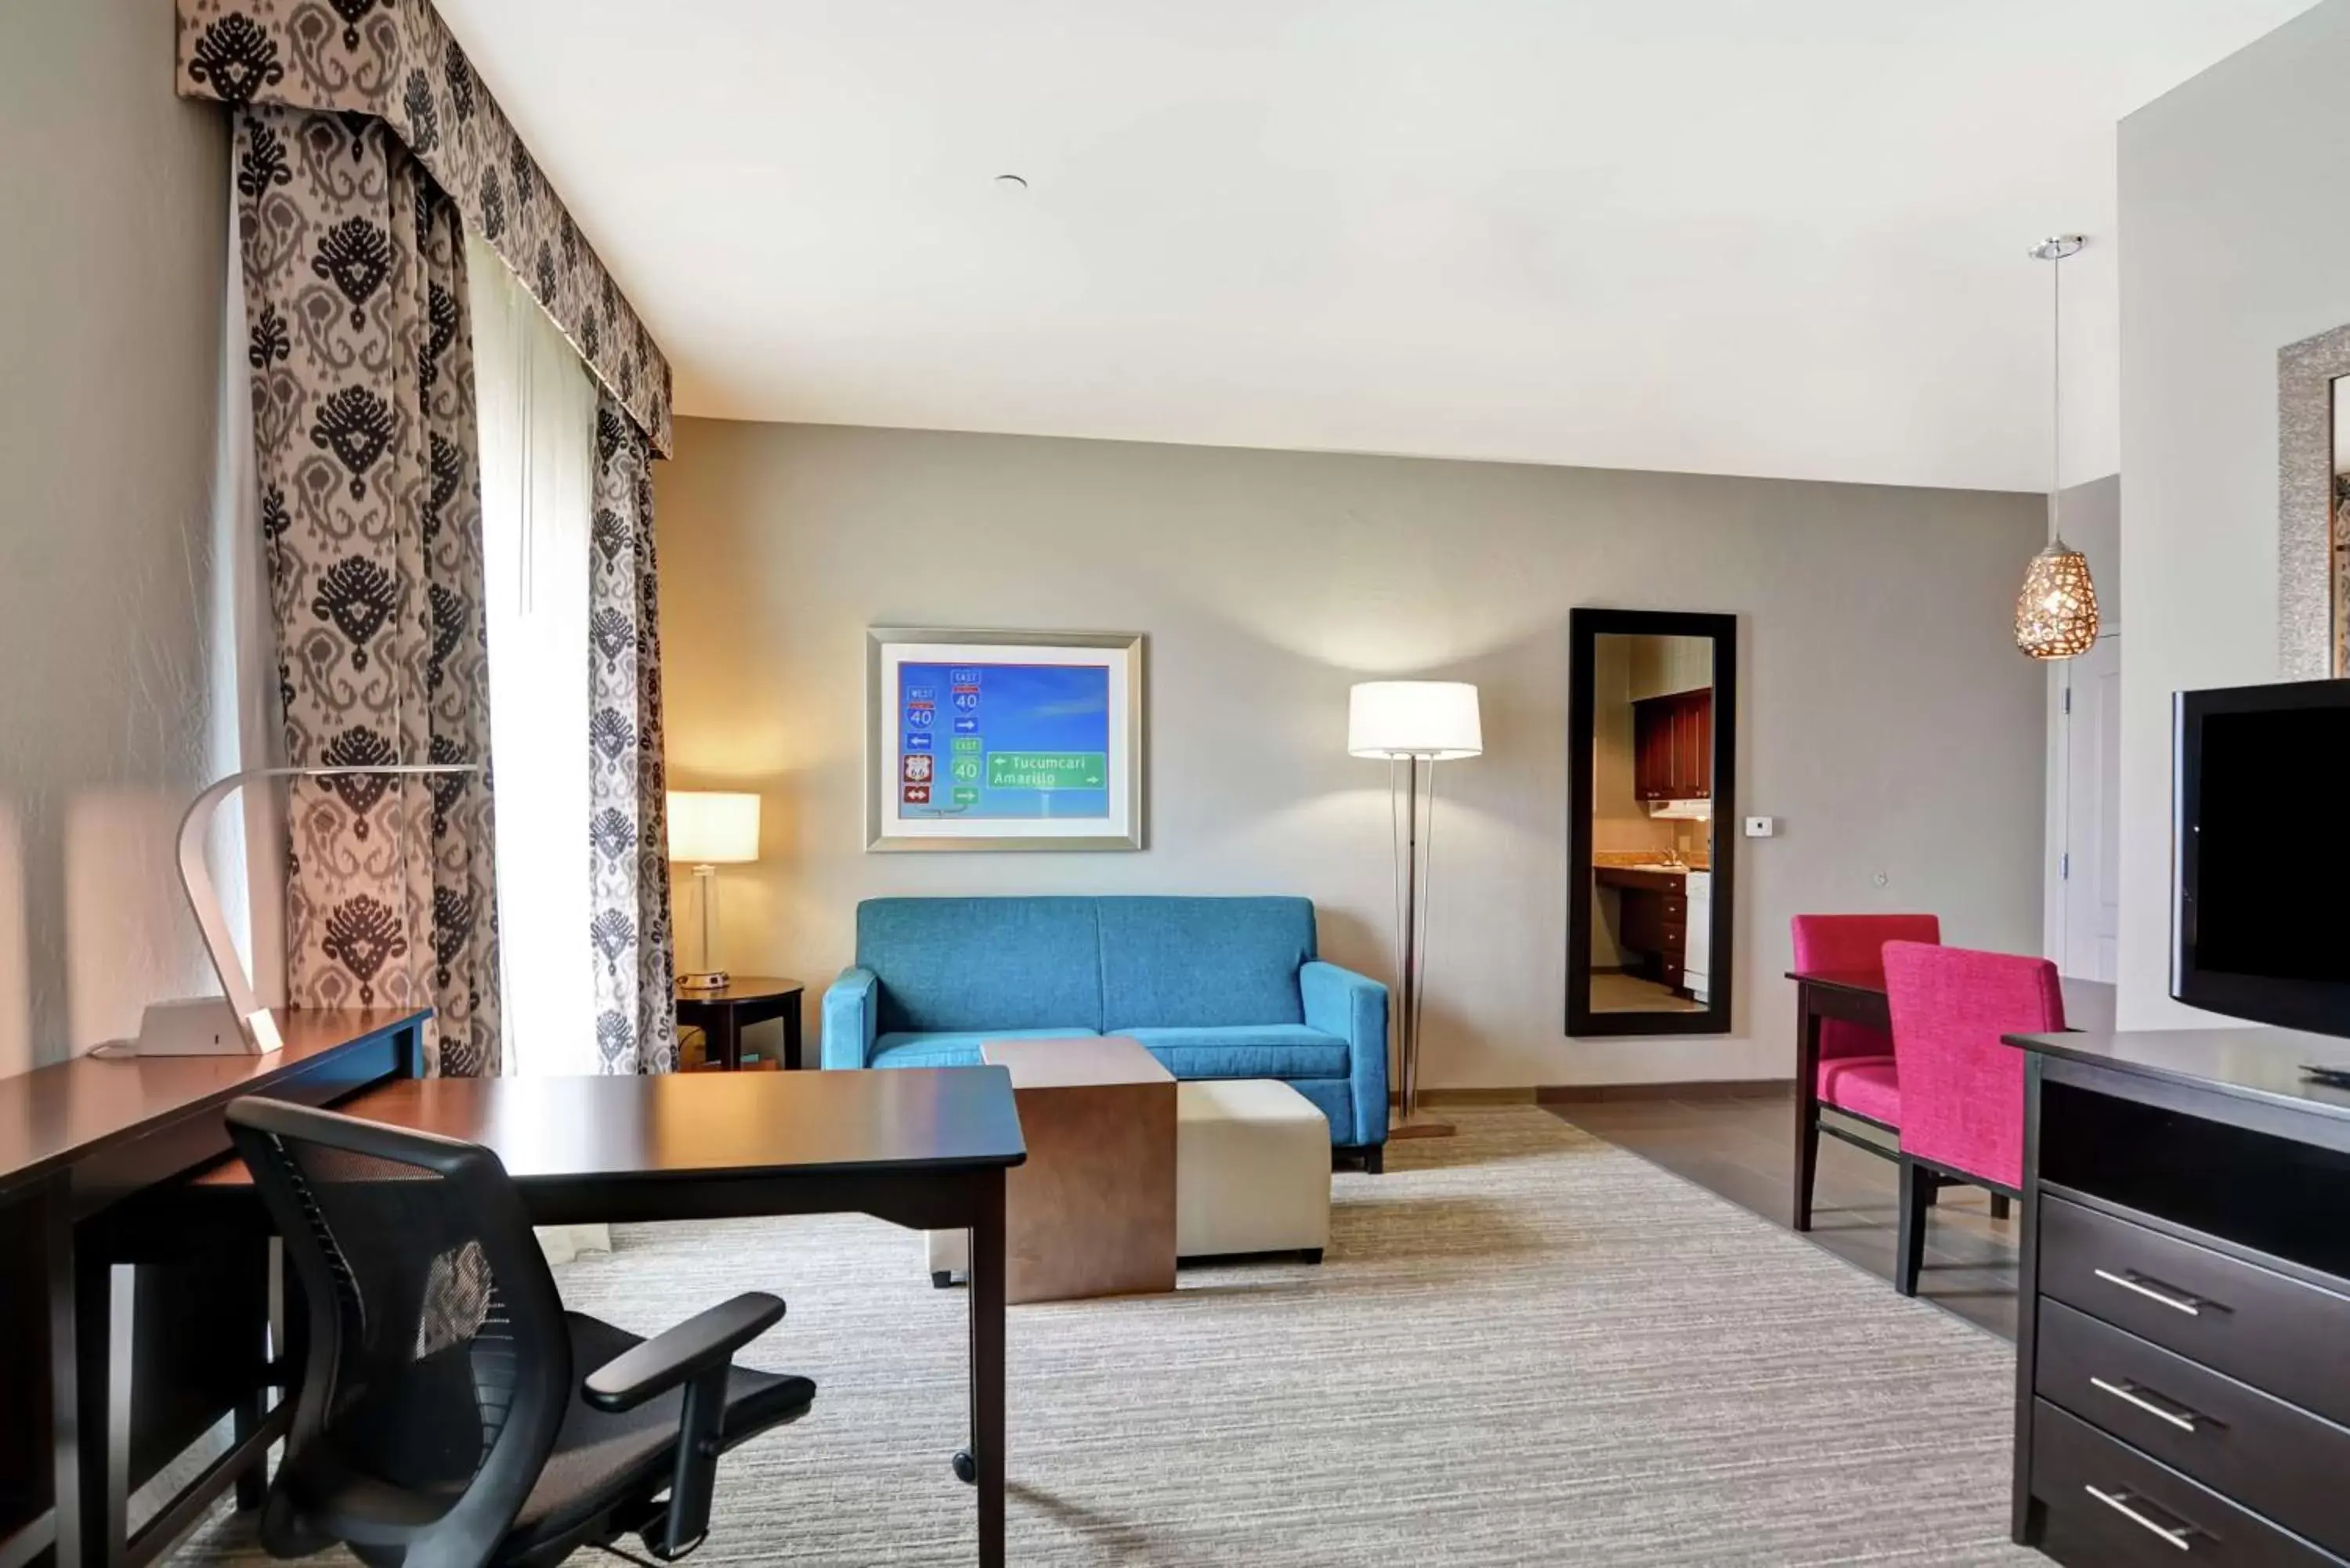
(1092, 1212)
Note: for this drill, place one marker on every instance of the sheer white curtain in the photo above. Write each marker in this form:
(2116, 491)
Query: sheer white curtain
(537, 414)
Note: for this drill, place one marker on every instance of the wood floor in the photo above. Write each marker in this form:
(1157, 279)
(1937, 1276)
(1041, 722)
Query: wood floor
(1618, 993)
(1742, 1146)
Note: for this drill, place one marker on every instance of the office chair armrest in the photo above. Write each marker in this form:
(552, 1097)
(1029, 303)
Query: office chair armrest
(703, 1343)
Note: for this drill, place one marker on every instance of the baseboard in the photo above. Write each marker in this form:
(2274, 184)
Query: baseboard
(1585, 1093)
(1470, 1097)
(1703, 1089)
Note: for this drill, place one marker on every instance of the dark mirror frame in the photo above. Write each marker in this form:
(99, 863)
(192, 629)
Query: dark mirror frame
(1585, 628)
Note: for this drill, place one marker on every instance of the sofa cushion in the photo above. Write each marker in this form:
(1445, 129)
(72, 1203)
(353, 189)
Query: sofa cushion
(1245, 1050)
(996, 965)
(948, 1049)
(1203, 963)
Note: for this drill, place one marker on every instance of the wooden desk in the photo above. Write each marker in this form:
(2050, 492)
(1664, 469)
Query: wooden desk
(2183, 1342)
(926, 1148)
(82, 1146)
(723, 1012)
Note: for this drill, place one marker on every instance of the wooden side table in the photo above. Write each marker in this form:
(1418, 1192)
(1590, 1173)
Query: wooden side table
(722, 1014)
(1092, 1212)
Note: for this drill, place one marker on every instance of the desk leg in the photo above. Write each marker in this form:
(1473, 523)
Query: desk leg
(1807, 1105)
(100, 1457)
(986, 1450)
(65, 1374)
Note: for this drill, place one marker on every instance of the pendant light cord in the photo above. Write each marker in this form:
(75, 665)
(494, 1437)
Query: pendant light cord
(2057, 397)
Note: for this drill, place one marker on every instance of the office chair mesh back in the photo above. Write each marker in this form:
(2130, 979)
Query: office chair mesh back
(436, 1333)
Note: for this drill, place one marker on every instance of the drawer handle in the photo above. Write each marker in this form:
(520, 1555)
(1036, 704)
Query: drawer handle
(2133, 1281)
(2131, 1394)
(2119, 1501)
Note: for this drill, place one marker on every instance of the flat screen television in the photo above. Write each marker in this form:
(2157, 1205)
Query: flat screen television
(2260, 922)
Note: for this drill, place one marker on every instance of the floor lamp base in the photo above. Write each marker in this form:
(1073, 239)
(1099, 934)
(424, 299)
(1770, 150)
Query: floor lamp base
(1421, 1126)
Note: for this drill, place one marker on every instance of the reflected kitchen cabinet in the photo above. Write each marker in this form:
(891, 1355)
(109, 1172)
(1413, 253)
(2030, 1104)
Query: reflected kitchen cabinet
(1672, 746)
(1652, 920)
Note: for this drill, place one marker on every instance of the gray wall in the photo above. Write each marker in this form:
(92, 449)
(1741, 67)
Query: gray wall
(2234, 229)
(113, 259)
(1887, 718)
(2091, 517)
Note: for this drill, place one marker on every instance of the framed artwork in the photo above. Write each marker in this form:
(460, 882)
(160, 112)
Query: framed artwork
(1002, 740)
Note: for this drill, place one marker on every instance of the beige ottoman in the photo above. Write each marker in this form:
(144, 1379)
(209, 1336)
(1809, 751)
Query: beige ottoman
(1251, 1169)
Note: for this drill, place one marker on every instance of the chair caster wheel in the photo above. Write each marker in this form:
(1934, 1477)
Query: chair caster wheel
(966, 1468)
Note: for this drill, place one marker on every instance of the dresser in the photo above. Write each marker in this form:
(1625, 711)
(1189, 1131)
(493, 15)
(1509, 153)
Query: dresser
(2183, 1365)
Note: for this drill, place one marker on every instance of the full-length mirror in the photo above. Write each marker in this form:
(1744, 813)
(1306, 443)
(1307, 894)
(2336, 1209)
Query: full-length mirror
(2337, 532)
(1652, 714)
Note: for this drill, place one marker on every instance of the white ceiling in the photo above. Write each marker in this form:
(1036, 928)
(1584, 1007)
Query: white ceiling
(1777, 237)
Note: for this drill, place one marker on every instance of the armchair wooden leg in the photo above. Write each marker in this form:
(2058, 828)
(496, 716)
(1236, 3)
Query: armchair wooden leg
(1998, 1206)
(1807, 1105)
(1807, 1160)
(1917, 1186)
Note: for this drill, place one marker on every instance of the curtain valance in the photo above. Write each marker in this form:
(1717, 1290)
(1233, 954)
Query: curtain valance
(395, 59)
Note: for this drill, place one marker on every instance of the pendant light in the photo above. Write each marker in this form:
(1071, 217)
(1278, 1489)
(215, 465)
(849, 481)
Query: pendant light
(2056, 613)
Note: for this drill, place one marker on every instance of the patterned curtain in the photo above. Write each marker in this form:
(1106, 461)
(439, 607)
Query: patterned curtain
(397, 61)
(364, 434)
(636, 1005)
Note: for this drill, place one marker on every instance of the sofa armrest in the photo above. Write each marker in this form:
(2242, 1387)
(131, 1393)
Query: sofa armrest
(1354, 1008)
(852, 1012)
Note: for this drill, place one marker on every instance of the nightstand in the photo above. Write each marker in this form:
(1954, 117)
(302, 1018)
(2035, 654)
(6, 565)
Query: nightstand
(723, 1012)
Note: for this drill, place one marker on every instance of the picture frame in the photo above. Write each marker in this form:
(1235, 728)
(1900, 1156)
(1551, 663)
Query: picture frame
(1002, 741)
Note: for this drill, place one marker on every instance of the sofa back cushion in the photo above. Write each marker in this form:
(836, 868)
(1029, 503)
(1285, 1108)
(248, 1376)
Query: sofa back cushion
(1203, 963)
(982, 963)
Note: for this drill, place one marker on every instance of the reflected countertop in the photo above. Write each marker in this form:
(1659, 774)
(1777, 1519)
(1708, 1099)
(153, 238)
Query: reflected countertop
(1658, 868)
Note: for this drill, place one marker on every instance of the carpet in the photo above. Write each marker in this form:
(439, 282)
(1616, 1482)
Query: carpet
(1526, 1347)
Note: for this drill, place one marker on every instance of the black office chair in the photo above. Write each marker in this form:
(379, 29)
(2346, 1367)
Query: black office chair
(444, 1419)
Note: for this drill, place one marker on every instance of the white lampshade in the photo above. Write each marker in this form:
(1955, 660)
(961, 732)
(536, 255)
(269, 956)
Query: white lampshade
(1433, 719)
(713, 828)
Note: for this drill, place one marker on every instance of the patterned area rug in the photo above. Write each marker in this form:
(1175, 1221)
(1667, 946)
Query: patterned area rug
(1526, 1347)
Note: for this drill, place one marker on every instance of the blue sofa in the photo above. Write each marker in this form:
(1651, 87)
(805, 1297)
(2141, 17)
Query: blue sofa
(1214, 987)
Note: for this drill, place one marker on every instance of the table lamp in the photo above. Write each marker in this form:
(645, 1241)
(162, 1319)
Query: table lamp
(1415, 722)
(708, 829)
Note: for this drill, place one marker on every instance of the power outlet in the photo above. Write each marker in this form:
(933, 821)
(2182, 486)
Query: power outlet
(1762, 827)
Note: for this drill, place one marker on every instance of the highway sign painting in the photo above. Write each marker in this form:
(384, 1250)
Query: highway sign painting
(1026, 742)
(1047, 770)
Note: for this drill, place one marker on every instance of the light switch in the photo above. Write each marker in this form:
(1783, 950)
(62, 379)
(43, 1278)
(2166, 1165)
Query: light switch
(1762, 827)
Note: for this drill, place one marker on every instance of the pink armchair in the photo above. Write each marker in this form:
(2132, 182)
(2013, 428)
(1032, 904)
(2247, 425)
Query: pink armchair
(1961, 1086)
(1848, 1068)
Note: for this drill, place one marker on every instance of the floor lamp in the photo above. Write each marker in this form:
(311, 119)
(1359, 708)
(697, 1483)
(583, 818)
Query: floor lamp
(1417, 724)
